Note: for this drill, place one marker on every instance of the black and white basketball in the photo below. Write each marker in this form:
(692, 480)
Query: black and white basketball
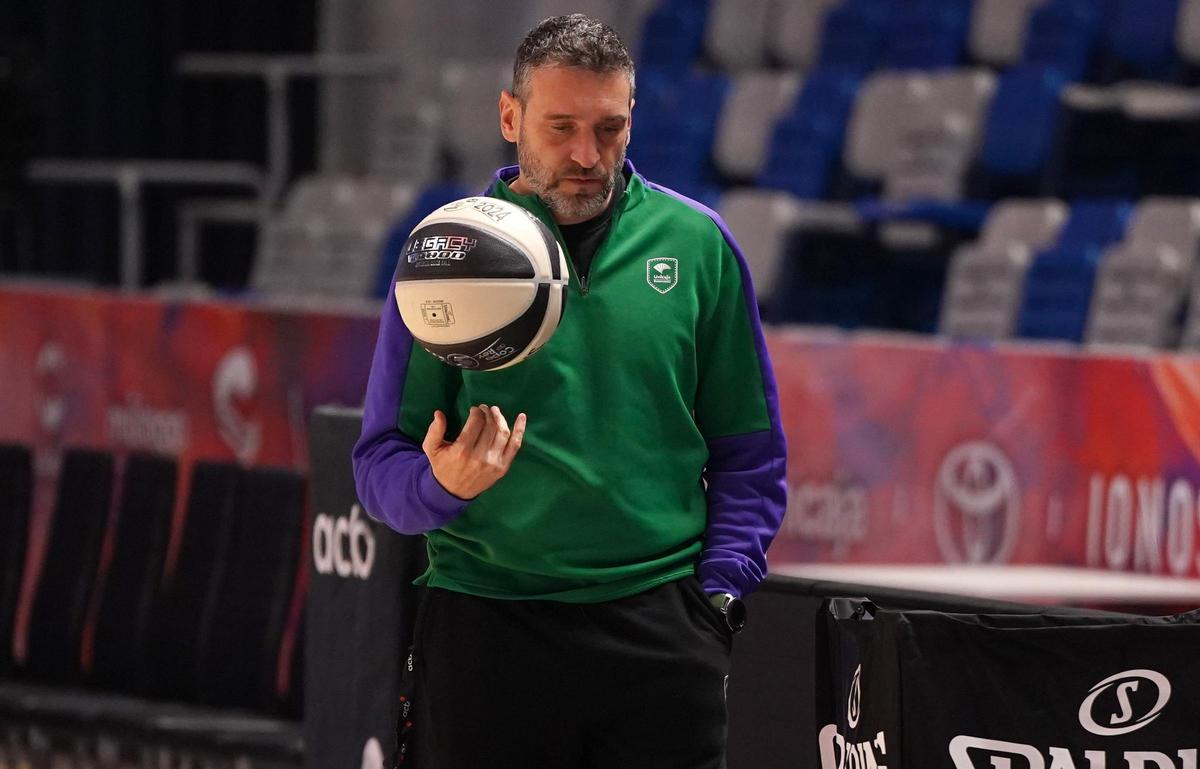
(481, 283)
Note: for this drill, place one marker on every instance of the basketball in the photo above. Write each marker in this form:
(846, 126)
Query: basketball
(481, 284)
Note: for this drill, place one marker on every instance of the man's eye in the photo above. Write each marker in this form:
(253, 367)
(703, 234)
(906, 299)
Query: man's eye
(560, 128)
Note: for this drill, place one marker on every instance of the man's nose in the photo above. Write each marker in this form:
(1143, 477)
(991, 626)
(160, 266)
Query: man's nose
(584, 150)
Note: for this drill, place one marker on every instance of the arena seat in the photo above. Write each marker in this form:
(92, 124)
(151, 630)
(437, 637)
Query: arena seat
(1191, 329)
(428, 199)
(794, 32)
(888, 104)
(16, 497)
(827, 277)
(985, 279)
(407, 141)
(735, 37)
(1163, 125)
(1058, 285)
(747, 120)
(475, 147)
(117, 647)
(1019, 132)
(1095, 157)
(1139, 39)
(327, 239)
(1141, 284)
(1065, 35)
(762, 219)
(855, 34)
(672, 36)
(806, 143)
(927, 34)
(997, 32)
(1187, 32)
(675, 130)
(253, 582)
(941, 141)
(180, 621)
(64, 589)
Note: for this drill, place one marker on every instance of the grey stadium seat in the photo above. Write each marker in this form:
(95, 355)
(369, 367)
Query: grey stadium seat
(1191, 328)
(794, 35)
(471, 121)
(760, 219)
(940, 141)
(407, 142)
(736, 35)
(888, 106)
(986, 278)
(747, 120)
(1142, 282)
(327, 240)
(1187, 31)
(997, 35)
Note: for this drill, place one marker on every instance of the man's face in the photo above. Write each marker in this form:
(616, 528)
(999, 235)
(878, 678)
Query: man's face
(571, 135)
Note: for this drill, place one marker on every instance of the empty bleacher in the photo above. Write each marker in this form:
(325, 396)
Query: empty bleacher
(855, 146)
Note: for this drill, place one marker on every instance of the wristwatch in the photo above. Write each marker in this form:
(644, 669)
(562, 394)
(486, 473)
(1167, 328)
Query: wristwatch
(732, 609)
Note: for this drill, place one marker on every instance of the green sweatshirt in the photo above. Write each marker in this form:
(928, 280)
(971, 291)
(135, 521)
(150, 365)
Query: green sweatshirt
(656, 371)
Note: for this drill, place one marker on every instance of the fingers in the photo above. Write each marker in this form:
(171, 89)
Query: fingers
(490, 428)
(515, 440)
(476, 421)
(496, 448)
(435, 436)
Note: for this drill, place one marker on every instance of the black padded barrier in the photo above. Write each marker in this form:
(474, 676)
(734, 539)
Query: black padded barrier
(120, 646)
(254, 577)
(16, 490)
(68, 574)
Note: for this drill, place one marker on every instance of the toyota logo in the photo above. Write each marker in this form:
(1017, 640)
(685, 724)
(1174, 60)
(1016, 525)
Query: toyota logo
(976, 504)
(1108, 714)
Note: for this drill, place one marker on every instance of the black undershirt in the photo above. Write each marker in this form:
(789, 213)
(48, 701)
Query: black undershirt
(583, 239)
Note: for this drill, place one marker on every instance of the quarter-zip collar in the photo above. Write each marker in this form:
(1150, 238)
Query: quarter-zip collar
(634, 193)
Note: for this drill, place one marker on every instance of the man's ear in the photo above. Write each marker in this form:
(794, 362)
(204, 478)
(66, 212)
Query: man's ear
(629, 125)
(510, 117)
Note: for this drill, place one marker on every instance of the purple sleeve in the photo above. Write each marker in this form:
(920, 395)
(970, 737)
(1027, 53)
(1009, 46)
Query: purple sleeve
(392, 475)
(746, 500)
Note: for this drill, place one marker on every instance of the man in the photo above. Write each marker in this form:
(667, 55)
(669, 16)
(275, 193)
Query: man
(587, 561)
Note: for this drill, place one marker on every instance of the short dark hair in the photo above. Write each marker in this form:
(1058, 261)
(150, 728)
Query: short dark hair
(570, 41)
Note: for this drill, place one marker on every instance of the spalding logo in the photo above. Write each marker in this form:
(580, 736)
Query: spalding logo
(854, 701)
(1121, 719)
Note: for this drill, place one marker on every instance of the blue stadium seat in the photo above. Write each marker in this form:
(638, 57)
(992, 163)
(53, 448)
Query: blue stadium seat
(675, 127)
(1058, 286)
(673, 35)
(430, 198)
(855, 34)
(927, 34)
(1065, 35)
(807, 141)
(828, 278)
(1019, 132)
(1139, 39)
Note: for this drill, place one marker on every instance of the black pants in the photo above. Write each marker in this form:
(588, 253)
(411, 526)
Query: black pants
(629, 684)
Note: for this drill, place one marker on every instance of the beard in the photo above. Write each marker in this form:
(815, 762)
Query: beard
(548, 185)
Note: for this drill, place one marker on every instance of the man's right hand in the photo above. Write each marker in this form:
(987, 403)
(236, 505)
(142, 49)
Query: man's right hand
(482, 454)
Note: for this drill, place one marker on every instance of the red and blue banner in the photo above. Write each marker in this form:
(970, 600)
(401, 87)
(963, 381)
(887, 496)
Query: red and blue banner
(193, 380)
(905, 451)
(900, 450)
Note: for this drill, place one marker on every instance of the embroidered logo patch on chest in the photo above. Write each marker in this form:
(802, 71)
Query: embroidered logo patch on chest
(662, 273)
